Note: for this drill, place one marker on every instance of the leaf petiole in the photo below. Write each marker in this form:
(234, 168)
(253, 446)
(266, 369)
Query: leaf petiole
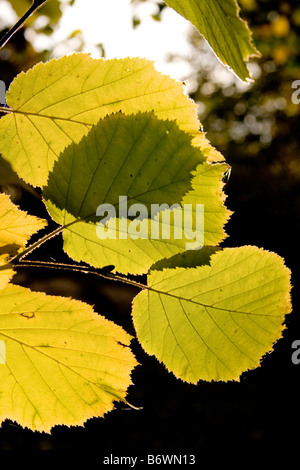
(102, 272)
(5, 110)
(35, 245)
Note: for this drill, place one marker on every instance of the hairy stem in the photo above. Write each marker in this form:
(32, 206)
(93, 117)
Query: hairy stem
(5, 110)
(102, 272)
(35, 245)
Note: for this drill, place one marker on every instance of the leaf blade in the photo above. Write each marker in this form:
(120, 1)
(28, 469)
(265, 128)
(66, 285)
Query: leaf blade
(220, 24)
(64, 363)
(215, 321)
(57, 103)
(146, 160)
(16, 227)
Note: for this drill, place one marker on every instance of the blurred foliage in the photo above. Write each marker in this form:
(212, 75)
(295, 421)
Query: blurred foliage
(50, 11)
(260, 120)
(158, 8)
(19, 54)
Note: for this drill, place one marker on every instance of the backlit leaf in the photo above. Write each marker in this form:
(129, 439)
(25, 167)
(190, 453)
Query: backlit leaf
(9, 178)
(55, 104)
(219, 22)
(215, 321)
(16, 227)
(7, 273)
(146, 160)
(63, 362)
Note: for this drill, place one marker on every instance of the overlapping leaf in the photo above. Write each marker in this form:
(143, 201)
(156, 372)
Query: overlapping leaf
(147, 160)
(56, 103)
(9, 178)
(63, 362)
(16, 227)
(214, 321)
(219, 22)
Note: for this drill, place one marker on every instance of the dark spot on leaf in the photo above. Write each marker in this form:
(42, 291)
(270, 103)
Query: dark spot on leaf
(27, 315)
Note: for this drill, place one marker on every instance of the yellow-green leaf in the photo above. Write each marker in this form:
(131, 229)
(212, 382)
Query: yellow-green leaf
(7, 273)
(63, 362)
(16, 227)
(148, 161)
(217, 320)
(9, 178)
(219, 22)
(55, 104)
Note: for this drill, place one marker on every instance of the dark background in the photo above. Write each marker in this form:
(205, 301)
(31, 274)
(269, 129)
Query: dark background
(263, 191)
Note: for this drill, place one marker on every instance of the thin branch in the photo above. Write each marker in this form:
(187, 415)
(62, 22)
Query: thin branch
(5, 110)
(35, 245)
(102, 272)
(35, 5)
